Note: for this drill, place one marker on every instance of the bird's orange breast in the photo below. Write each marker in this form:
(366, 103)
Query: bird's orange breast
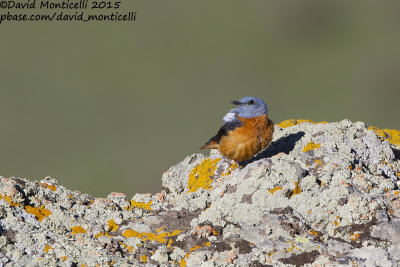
(246, 141)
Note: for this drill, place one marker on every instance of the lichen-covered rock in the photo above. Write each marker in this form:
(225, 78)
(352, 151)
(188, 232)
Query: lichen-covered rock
(321, 193)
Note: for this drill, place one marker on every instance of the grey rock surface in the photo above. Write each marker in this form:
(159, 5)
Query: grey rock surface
(325, 193)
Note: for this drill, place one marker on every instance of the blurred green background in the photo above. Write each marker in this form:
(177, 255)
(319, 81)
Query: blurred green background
(109, 106)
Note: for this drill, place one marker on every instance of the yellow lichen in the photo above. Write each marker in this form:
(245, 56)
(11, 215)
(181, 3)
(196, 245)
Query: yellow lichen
(140, 205)
(129, 248)
(230, 169)
(288, 123)
(276, 188)
(78, 230)
(393, 136)
(302, 239)
(143, 259)
(318, 162)
(292, 246)
(311, 146)
(155, 237)
(99, 234)
(47, 248)
(112, 226)
(40, 213)
(296, 190)
(49, 186)
(201, 176)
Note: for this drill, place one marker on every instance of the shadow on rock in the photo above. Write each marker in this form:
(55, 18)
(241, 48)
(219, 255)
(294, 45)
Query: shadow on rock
(284, 144)
(396, 154)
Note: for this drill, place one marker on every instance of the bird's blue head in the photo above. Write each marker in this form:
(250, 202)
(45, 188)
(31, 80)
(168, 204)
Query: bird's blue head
(250, 107)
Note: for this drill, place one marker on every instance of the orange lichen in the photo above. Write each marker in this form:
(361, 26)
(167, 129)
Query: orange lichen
(202, 175)
(336, 222)
(40, 213)
(112, 226)
(8, 199)
(140, 205)
(101, 234)
(155, 237)
(288, 123)
(354, 236)
(296, 190)
(311, 146)
(143, 259)
(47, 248)
(276, 188)
(230, 169)
(313, 232)
(170, 243)
(183, 261)
(64, 258)
(393, 136)
(49, 186)
(77, 230)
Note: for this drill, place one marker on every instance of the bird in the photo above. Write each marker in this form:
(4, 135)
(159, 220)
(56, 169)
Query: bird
(245, 132)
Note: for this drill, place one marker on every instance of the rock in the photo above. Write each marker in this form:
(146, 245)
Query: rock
(321, 193)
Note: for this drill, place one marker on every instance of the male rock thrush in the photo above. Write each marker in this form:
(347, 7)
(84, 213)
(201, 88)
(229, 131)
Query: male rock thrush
(246, 131)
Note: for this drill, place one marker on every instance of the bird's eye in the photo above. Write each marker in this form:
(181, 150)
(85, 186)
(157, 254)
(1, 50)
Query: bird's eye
(251, 102)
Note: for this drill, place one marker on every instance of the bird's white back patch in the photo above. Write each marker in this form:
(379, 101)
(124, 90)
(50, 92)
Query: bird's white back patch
(230, 116)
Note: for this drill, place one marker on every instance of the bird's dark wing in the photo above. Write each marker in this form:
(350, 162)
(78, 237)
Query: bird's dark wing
(224, 130)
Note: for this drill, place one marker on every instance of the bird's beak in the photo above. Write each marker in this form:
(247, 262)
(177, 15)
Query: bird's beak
(237, 103)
